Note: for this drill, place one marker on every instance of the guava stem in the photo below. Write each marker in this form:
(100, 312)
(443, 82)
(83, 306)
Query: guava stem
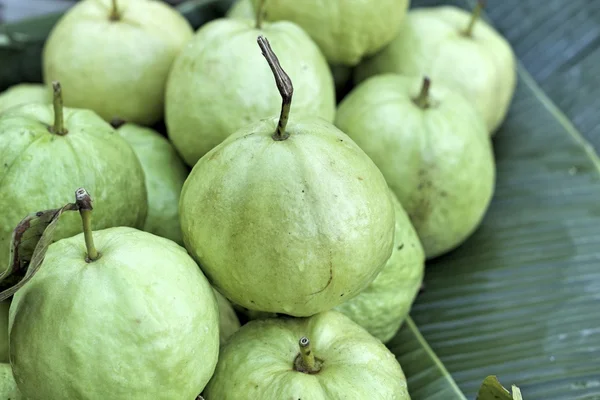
(260, 13)
(114, 11)
(422, 99)
(84, 203)
(284, 84)
(57, 102)
(308, 358)
(475, 15)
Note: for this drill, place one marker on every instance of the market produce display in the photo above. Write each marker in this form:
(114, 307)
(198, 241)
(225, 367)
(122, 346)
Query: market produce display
(457, 49)
(269, 239)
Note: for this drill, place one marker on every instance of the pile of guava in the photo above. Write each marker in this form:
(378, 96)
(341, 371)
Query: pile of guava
(241, 210)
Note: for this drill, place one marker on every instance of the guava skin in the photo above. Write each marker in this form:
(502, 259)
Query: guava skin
(346, 31)
(228, 320)
(24, 93)
(8, 386)
(221, 83)
(292, 226)
(165, 174)
(116, 68)
(431, 42)
(258, 360)
(384, 305)
(41, 170)
(4, 306)
(140, 322)
(437, 160)
(241, 9)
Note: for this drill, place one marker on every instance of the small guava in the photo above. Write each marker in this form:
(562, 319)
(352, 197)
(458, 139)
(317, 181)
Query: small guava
(433, 149)
(228, 319)
(346, 31)
(287, 218)
(48, 152)
(241, 9)
(114, 57)
(384, 305)
(24, 93)
(133, 318)
(456, 49)
(323, 357)
(220, 83)
(165, 173)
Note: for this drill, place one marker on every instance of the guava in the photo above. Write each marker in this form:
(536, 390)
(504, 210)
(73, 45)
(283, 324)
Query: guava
(228, 320)
(456, 49)
(384, 305)
(114, 314)
(289, 218)
(324, 357)
(8, 386)
(241, 9)
(4, 306)
(165, 173)
(219, 83)
(114, 57)
(432, 147)
(24, 93)
(346, 31)
(47, 152)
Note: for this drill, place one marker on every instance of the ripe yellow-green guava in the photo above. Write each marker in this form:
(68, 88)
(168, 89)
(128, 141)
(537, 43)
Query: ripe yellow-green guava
(242, 9)
(432, 147)
(346, 31)
(220, 83)
(228, 320)
(4, 307)
(165, 173)
(287, 217)
(455, 49)
(135, 321)
(47, 153)
(324, 357)
(114, 57)
(8, 386)
(382, 307)
(24, 93)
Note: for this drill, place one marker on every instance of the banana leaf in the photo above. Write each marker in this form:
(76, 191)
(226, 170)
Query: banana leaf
(520, 298)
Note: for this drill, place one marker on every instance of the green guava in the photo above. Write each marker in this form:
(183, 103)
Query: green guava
(324, 357)
(24, 93)
(165, 173)
(456, 49)
(115, 59)
(384, 305)
(228, 320)
(4, 306)
(346, 31)
(8, 386)
(241, 9)
(133, 319)
(48, 154)
(220, 83)
(432, 147)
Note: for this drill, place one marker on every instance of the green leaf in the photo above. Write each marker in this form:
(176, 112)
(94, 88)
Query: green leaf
(427, 377)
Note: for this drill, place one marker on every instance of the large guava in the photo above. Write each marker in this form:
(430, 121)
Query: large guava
(288, 218)
(324, 357)
(220, 83)
(433, 149)
(228, 319)
(133, 319)
(114, 56)
(47, 153)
